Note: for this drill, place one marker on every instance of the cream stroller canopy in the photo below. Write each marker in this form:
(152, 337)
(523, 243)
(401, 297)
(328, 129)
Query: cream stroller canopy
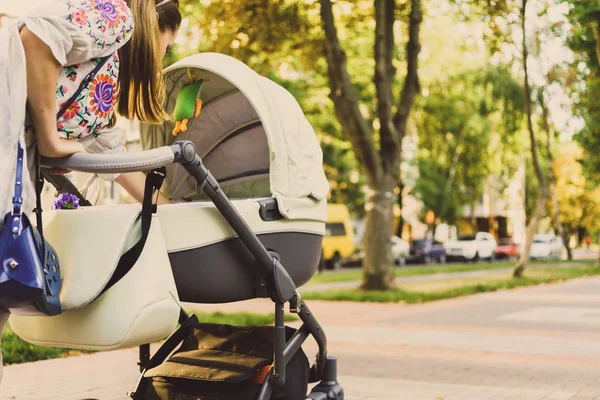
(250, 129)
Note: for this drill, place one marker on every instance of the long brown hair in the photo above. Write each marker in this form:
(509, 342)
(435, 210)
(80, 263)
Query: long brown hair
(141, 84)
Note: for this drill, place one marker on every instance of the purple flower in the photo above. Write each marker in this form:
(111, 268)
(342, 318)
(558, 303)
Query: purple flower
(66, 201)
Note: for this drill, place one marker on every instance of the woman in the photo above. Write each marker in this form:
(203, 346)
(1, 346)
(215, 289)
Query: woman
(131, 78)
(62, 44)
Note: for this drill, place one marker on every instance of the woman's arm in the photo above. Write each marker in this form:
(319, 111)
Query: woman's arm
(134, 183)
(42, 77)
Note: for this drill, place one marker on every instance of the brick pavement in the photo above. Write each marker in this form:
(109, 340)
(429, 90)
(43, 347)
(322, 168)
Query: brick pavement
(540, 343)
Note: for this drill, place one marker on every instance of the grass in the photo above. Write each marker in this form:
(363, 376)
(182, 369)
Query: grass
(457, 288)
(356, 274)
(16, 351)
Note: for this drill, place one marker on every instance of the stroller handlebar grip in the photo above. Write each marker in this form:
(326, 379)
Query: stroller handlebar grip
(113, 163)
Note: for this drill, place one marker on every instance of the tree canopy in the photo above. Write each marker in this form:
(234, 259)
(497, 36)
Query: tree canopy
(583, 39)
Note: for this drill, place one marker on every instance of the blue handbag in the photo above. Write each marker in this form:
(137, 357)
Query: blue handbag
(29, 274)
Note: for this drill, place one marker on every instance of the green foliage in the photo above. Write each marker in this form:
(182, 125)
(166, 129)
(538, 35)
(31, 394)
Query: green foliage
(548, 275)
(468, 127)
(494, 14)
(263, 33)
(577, 197)
(429, 188)
(583, 16)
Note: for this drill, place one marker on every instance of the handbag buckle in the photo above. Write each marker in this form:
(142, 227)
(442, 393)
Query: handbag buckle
(17, 202)
(17, 198)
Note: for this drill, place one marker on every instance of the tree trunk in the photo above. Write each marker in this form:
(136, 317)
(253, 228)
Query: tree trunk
(597, 33)
(381, 163)
(531, 228)
(559, 227)
(551, 179)
(378, 266)
(556, 212)
(345, 99)
(491, 219)
(400, 202)
(543, 188)
(597, 38)
(472, 217)
(450, 181)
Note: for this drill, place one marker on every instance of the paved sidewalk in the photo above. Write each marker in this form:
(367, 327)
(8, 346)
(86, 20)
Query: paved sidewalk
(529, 344)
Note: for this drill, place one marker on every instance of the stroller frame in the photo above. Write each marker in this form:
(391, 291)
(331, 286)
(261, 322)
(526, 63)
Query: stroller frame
(280, 287)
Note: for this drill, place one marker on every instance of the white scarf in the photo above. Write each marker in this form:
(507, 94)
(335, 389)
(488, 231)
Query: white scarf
(13, 100)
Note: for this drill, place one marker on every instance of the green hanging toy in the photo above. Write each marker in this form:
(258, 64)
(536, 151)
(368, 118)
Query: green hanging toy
(188, 104)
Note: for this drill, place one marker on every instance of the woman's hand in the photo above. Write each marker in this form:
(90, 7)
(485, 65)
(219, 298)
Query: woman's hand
(42, 77)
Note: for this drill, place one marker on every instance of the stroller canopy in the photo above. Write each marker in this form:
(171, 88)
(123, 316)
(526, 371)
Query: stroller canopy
(250, 130)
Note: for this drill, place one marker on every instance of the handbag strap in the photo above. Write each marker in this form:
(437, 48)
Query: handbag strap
(17, 199)
(39, 186)
(86, 81)
(154, 181)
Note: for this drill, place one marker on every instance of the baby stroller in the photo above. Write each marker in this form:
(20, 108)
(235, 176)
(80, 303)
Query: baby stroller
(248, 222)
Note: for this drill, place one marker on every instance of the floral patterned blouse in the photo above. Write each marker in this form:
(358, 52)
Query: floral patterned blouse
(80, 33)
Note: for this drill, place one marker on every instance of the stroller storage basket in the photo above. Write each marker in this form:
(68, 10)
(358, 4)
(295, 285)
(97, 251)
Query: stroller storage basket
(222, 362)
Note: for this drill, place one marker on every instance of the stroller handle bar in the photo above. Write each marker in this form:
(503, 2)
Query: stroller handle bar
(116, 163)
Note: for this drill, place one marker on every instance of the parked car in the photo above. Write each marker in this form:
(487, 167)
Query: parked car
(338, 242)
(507, 249)
(473, 247)
(427, 250)
(546, 246)
(400, 250)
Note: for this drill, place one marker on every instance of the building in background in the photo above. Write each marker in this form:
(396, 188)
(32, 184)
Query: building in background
(499, 212)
